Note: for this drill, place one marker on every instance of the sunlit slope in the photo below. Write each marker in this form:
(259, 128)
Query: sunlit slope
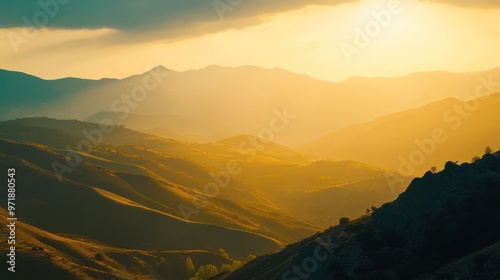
(78, 206)
(413, 141)
(326, 206)
(244, 148)
(274, 185)
(279, 167)
(220, 101)
(51, 256)
(146, 170)
(317, 191)
(324, 191)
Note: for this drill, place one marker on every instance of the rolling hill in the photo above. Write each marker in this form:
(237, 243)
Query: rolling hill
(88, 203)
(271, 182)
(65, 256)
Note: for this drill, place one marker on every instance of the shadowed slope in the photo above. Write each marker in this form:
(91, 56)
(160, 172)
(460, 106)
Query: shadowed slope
(440, 222)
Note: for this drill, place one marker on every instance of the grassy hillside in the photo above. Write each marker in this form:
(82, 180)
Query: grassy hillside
(239, 205)
(89, 204)
(65, 256)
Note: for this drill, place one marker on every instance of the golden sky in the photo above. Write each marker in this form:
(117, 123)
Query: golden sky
(313, 40)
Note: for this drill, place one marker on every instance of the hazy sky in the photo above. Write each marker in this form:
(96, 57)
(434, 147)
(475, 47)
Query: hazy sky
(325, 39)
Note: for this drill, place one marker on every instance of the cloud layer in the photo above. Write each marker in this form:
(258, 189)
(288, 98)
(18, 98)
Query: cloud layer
(137, 16)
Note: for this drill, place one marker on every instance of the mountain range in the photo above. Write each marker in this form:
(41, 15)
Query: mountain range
(162, 100)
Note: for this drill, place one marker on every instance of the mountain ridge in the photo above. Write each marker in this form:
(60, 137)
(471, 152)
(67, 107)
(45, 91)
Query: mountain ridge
(256, 95)
(216, 66)
(389, 146)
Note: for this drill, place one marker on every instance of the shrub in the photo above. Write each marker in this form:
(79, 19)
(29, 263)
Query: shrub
(251, 258)
(354, 227)
(479, 260)
(190, 266)
(225, 268)
(223, 253)
(340, 275)
(99, 257)
(394, 239)
(206, 272)
(344, 221)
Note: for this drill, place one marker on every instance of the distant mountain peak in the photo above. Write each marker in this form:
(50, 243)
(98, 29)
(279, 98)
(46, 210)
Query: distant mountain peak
(159, 68)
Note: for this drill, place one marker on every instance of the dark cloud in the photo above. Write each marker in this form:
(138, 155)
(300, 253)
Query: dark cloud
(481, 4)
(168, 18)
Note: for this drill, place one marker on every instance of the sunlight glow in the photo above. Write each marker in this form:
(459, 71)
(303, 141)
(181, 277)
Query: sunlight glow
(422, 37)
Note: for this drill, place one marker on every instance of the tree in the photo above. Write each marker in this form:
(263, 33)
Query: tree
(99, 257)
(223, 253)
(190, 269)
(343, 221)
(206, 272)
(374, 208)
(488, 150)
(225, 267)
(236, 264)
(251, 258)
(434, 169)
(474, 159)
(368, 211)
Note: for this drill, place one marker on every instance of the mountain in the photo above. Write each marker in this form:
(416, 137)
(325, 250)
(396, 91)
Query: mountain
(444, 226)
(445, 130)
(27, 95)
(296, 108)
